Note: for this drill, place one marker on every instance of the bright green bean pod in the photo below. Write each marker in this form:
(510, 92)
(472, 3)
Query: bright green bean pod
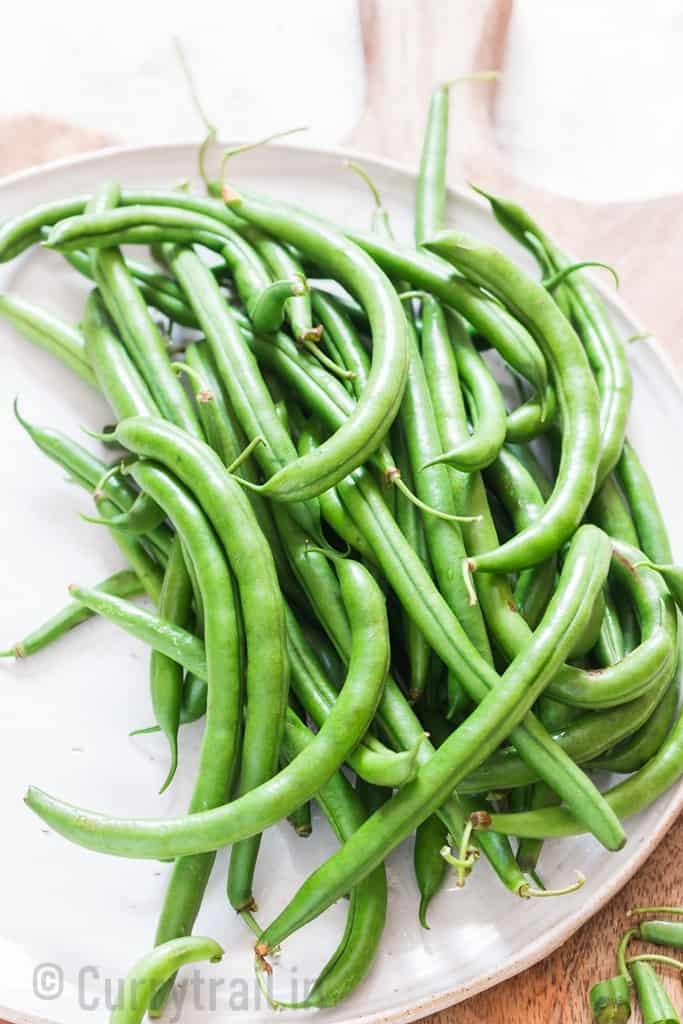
(532, 419)
(143, 515)
(650, 526)
(577, 396)
(161, 635)
(429, 866)
(629, 797)
(490, 423)
(411, 525)
(633, 675)
(137, 329)
(413, 587)
(166, 676)
(249, 557)
(662, 933)
(49, 333)
(222, 731)
(154, 969)
(380, 767)
(444, 540)
(655, 1004)
(636, 750)
(366, 914)
(610, 1000)
(124, 583)
(283, 264)
(605, 351)
(117, 376)
(394, 714)
(269, 310)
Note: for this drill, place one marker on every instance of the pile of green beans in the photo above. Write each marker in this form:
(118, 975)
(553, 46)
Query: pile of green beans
(382, 588)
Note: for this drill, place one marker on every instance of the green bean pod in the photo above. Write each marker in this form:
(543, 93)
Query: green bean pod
(636, 750)
(429, 866)
(366, 914)
(490, 423)
(605, 351)
(222, 732)
(154, 969)
(49, 333)
(118, 378)
(610, 1000)
(643, 506)
(124, 583)
(655, 1004)
(577, 396)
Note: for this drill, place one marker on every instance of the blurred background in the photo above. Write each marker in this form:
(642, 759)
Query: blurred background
(588, 105)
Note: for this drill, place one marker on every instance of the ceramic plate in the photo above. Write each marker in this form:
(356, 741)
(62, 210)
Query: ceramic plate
(72, 922)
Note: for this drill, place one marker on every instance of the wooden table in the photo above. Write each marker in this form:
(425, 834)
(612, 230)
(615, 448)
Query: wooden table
(410, 45)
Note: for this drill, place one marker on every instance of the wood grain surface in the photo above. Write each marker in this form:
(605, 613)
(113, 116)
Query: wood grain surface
(410, 46)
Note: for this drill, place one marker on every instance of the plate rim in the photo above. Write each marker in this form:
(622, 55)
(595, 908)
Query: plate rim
(550, 940)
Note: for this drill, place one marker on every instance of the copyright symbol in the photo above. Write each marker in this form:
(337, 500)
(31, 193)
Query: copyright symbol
(48, 981)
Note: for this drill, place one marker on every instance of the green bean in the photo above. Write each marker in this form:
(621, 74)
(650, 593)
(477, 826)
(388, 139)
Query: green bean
(636, 750)
(140, 335)
(411, 525)
(366, 914)
(429, 865)
(166, 676)
(143, 565)
(531, 419)
(269, 310)
(529, 850)
(423, 270)
(654, 1000)
(577, 396)
(124, 583)
(342, 730)
(444, 540)
(154, 969)
(610, 1000)
(283, 264)
(372, 417)
(650, 526)
(662, 933)
(261, 602)
(117, 376)
(416, 592)
(49, 333)
(632, 676)
(128, 395)
(380, 767)
(238, 371)
(221, 739)
(522, 499)
(143, 515)
(489, 416)
(160, 634)
(605, 352)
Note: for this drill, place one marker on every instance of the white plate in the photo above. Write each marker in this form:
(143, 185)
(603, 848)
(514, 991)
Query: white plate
(65, 714)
